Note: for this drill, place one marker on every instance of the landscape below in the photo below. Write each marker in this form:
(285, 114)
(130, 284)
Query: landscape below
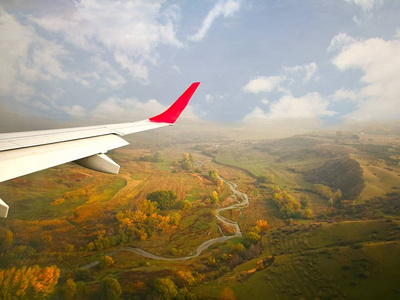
(323, 221)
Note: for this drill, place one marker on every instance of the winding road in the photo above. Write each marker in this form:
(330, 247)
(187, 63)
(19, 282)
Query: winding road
(242, 202)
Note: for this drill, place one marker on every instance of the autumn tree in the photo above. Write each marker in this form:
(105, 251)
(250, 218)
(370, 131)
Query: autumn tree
(289, 206)
(145, 221)
(28, 282)
(174, 218)
(156, 157)
(70, 289)
(251, 238)
(214, 177)
(83, 291)
(323, 190)
(164, 199)
(110, 289)
(334, 198)
(187, 205)
(187, 162)
(214, 197)
(304, 201)
(238, 249)
(185, 278)
(166, 288)
(106, 261)
(308, 214)
(262, 226)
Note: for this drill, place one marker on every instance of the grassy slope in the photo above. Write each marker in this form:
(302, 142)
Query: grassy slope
(336, 260)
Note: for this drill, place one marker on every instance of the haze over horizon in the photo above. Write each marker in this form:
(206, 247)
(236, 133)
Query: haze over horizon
(318, 62)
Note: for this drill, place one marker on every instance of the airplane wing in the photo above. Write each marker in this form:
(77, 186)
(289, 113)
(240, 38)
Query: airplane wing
(27, 152)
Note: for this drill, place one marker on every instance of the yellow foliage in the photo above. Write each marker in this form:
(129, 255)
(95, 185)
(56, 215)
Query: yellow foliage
(28, 283)
(57, 201)
(262, 225)
(186, 277)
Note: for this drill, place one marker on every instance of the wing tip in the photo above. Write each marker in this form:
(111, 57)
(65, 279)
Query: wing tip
(174, 111)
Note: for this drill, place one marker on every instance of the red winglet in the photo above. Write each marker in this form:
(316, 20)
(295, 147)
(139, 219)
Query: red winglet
(174, 111)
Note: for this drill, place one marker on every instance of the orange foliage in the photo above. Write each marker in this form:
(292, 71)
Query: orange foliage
(262, 225)
(57, 201)
(28, 283)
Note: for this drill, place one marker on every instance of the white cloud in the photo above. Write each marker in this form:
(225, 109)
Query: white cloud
(131, 109)
(346, 95)
(308, 107)
(26, 58)
(366, 5)
(341, 41)
(307, 71)
(222, 8)
(256, 115)
(263, 84)
(112, 77)
(130, 30)
(126, 109)
(380, 62)
(266, 84)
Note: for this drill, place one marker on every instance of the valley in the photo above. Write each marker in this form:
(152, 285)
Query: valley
(322, 221)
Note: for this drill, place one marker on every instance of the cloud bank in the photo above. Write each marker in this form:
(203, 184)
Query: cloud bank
(379, 60)
(129, 31)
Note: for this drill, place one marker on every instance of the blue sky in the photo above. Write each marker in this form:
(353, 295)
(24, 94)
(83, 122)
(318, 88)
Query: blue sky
(324, 62)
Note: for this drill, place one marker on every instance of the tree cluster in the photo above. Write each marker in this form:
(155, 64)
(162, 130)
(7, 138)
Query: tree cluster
(248, 247)
(269, 178)
(186, 163)
(18, 256)
(325, 191)
(177, 286)
(212, 198)
(214, 177)
(145, 221)
(261, 226)
(28, 282)
(102, 242)
(155, 157)
(165, 199)
(289, 206)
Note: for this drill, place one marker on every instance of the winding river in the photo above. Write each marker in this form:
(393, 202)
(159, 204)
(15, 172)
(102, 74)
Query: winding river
(242, 201)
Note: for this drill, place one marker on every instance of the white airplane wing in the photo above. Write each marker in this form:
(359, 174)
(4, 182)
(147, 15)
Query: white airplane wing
(27, 152)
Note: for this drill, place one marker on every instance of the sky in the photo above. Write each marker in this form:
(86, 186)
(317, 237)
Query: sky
(258, 61)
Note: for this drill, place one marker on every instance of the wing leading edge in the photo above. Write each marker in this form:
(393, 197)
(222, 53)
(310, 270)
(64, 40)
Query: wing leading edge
(27, 152)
